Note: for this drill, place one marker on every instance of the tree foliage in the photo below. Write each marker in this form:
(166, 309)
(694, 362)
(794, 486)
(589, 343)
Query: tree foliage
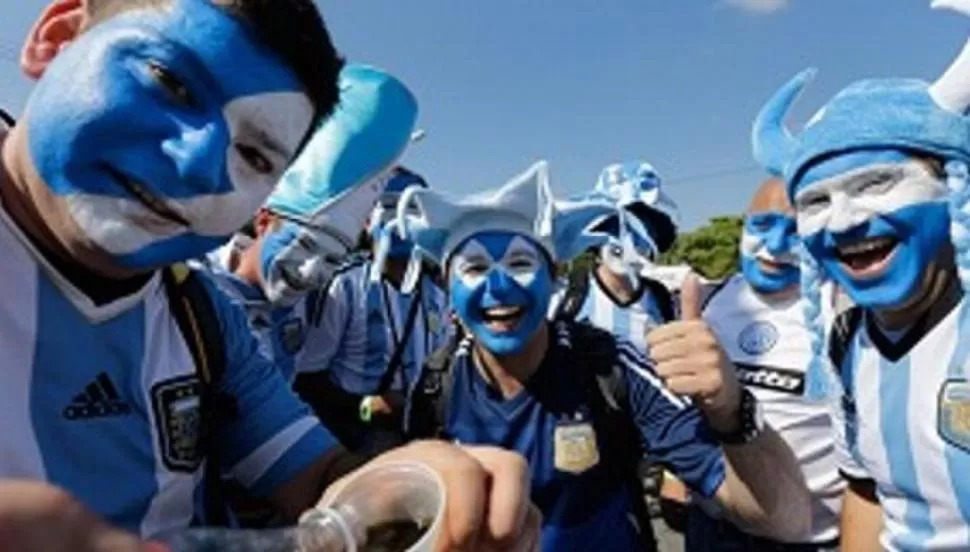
(712, 250)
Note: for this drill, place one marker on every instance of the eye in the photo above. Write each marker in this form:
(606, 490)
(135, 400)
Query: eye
(813, 201)
(255, 159)
(877, 184)
(172, 84)
(306, 242)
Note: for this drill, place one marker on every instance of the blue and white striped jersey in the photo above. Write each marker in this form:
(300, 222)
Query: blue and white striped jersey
(630, 320)
(102, 400)
(282, 331)
(904, 422)
(361, 323)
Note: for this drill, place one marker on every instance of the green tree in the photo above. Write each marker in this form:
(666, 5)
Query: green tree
(712, 250)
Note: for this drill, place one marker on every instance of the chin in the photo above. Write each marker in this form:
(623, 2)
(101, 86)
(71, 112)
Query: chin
(893, 289)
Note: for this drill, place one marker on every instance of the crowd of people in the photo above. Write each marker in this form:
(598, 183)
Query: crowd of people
(223, 296)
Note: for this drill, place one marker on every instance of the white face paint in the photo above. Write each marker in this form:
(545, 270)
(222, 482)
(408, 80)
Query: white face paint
(753, 246)
(846, 201)
(267, 127)
(521, 261)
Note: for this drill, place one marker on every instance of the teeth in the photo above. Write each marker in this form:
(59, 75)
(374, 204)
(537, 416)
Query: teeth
(503, 311)
(154, 204)
(865, 246)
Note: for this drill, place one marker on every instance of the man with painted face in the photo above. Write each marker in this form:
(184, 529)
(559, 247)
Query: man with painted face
(373, 335)
(615, 295)
(758, 318)
(299, 239)
(878, 179)
(142, 145)
(550, 390)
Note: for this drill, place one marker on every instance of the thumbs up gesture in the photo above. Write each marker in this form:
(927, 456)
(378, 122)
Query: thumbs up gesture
(689, 359)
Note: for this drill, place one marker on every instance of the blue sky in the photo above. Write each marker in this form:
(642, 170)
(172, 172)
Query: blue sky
(583, 84)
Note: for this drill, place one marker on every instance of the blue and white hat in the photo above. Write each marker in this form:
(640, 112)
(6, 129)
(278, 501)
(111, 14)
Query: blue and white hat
(637, 187)
(335, 181)
(525, 205)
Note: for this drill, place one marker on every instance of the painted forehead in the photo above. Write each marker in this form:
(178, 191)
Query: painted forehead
(216, 55)
(844, 168)
(497, 244)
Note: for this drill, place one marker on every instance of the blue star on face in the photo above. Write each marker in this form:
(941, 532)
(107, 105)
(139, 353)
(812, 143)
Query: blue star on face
(162, 141)
(768, 259)
(500, 286)
(875, 221)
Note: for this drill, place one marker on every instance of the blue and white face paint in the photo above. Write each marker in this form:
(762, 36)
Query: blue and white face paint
(769, 261)
(159, 144)
(500, 285)
(875, 221)
(296, 258)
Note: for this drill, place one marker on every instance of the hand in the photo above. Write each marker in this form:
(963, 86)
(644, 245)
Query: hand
(691, 362)
(488, 505)
(378, 405)
(38, 516)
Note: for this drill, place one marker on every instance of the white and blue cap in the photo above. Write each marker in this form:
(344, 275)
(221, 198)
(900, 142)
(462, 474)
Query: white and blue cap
(905, 115)
(382, 228)
(525, 205)
(343, 168)
(637, 187)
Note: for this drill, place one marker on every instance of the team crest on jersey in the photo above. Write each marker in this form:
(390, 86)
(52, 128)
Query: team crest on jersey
(575, 447)
(954, 413)
(292, 335)
(758, 338)
(178, 417)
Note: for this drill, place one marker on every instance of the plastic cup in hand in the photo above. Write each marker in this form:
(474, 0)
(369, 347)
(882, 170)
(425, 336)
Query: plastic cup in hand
(393, 507)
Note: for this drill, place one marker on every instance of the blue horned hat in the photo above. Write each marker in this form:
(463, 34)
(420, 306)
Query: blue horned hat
(636, 187)
(342, 170)
(904, 115)
(525, 205)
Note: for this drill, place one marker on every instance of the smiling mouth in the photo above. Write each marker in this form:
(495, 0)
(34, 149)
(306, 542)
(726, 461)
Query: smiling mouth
(148, 200)
(771, 265)
(503, 319)
(867, 258)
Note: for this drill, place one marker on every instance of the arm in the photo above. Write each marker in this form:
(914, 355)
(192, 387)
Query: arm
(861, 517)
(326, 325)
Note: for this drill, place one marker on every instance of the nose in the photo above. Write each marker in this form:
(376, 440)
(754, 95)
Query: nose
(199, 155)
(777, 240)
(499, 289)
(844, 217)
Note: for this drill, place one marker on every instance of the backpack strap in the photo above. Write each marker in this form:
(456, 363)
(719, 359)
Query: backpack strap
(195, 315)
(575, 296)
(662, 297)
(843, 330)
(428, 414)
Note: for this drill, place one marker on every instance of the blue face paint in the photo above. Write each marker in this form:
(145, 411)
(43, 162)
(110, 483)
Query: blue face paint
(874, 221)
(295, 259)
(497, 276)
(768, 259)
(162, 141)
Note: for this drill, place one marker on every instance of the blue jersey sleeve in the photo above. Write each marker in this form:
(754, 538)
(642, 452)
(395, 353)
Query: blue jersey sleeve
(274, 435)
(674, 432)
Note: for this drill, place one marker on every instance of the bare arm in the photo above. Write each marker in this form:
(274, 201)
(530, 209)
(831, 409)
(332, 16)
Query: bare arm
(764, 491)
(861, 517)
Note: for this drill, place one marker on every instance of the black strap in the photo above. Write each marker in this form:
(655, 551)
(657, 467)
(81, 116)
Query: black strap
(7, 118)
(843, 329)
(194, 312)
(662, 298)
(574, 297)
(397, 360)
(429, 406)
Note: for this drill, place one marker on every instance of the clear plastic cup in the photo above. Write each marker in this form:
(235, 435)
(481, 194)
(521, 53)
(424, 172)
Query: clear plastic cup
(396, 499)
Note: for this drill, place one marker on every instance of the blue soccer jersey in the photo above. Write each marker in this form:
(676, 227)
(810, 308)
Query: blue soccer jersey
(103, 401)
(585, 503)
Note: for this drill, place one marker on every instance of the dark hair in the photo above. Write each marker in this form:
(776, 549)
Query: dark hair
(293, 29)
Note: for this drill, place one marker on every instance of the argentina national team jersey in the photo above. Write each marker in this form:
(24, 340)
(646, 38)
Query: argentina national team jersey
(370, 318)
(907, 427)
(282, 331)
(771, 349)
(631, 320)
(103, 400)
(575, 480)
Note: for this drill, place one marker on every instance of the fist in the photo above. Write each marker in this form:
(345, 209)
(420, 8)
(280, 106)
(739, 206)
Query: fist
(691, 362)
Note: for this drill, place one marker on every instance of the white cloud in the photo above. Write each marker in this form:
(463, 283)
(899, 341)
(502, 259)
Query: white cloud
(759, 6)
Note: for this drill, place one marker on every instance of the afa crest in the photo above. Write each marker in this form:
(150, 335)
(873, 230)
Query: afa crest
(758, 338)
(953, 413)
(177, 407)
(575, 447)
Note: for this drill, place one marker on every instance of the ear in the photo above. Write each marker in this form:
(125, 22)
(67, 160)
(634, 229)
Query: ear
(58, 25)
(263, 222)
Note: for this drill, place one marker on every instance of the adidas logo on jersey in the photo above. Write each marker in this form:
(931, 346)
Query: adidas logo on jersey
(99, 399)
(776, 379)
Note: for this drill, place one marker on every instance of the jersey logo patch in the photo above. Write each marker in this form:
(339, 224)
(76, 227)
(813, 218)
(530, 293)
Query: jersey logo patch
(953, 415)
(99, 399)
(575, 447)
(178, 417)
(292, 336)
(775, 379)
(758, 338)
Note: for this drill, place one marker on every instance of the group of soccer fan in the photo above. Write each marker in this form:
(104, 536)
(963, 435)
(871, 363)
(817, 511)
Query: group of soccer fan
(222, 296)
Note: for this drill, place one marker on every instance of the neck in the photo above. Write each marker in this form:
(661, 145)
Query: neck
(936, 283)
(780, 296)
(245, 264)
(618, 285)
(510, 373)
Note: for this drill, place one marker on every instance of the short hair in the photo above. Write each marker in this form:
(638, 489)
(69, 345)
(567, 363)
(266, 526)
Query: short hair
(292, 29)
